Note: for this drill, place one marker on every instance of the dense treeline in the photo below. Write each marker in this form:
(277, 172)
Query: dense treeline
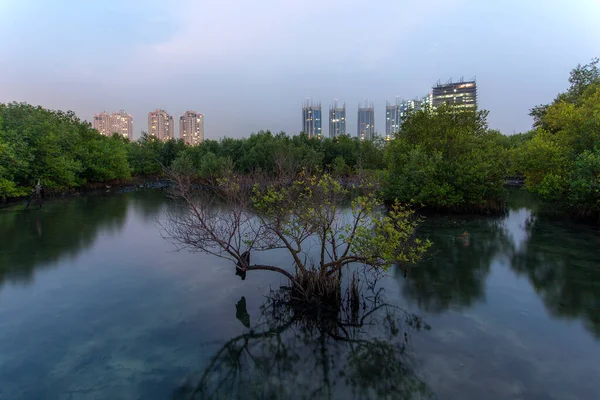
(282, 154)
(64, 152)
(560, 159)
(444, 159)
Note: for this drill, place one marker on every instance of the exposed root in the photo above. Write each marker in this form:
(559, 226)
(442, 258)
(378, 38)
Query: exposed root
(317, 291)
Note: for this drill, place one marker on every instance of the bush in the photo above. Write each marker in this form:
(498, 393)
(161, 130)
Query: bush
(446, 159)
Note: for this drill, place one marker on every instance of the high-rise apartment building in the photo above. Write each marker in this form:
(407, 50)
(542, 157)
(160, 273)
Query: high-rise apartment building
(460, 94)
(117, 122)
(102, 123)
(122, 123)
(337, 120)
(312, 119)
(392, 119)
(366, 122)
(160, 125)
(191, 128)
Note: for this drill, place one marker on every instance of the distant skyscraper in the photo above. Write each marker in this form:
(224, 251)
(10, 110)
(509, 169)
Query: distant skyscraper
(191, 128)
(392, 119)
(406, 106)
(160, 125)
(102, 123)
(122, 123)
(366, 122)
(312, 119)
(460, 94)
(337, 120)
(117, 122)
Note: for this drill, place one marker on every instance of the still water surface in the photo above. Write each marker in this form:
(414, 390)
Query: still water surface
(94, 304)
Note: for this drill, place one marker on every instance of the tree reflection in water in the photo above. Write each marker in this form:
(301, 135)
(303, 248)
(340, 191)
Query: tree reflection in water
(360, 351)
(561, 261)
(559, 257)
(64, 228)
(454, 274)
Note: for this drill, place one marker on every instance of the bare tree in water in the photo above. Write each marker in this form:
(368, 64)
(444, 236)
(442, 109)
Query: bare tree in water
(241, 215)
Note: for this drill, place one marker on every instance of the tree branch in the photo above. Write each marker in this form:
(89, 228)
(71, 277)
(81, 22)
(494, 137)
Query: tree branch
(270, 268)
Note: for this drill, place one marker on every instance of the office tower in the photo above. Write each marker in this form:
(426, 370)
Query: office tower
(160, 125)
(311, 119)
(337, 120)
(191, 128)
(117, 122)
(460, 94)
(102, 123)
(366, 122)
(392, 119)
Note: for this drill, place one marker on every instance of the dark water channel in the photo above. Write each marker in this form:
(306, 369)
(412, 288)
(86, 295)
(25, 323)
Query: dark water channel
(95, 304)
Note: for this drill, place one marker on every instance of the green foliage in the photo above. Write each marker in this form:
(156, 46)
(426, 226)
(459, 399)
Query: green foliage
(539, 157)
(144, 155)
(64, 152)
(212, 165)
(561, 161)
(391, 237)
(584, 185)
(280, 154)
(54, 147)
(313, 206)
(103, 159)
(339, 167)
(581, 78)
(448, 159)
(184, 164)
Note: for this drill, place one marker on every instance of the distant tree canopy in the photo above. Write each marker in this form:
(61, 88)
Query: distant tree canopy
(64, 152)
(561, 161)
(443, 158)
(282, 154)
(447, 158)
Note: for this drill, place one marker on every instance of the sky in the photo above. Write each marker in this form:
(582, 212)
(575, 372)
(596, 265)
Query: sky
(249, 65)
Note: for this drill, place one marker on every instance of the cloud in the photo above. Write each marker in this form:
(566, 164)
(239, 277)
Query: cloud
(262, 37)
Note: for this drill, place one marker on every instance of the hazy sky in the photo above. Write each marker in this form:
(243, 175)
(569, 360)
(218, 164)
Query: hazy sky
(248, 65)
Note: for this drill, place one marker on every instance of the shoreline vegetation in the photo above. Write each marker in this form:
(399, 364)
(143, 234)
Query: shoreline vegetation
(445, 160)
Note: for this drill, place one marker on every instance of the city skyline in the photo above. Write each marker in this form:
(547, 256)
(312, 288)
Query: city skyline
(461, 93)
(161, 125)
(253, 66)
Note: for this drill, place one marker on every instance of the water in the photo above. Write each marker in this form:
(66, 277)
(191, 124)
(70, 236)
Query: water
(95, 304)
